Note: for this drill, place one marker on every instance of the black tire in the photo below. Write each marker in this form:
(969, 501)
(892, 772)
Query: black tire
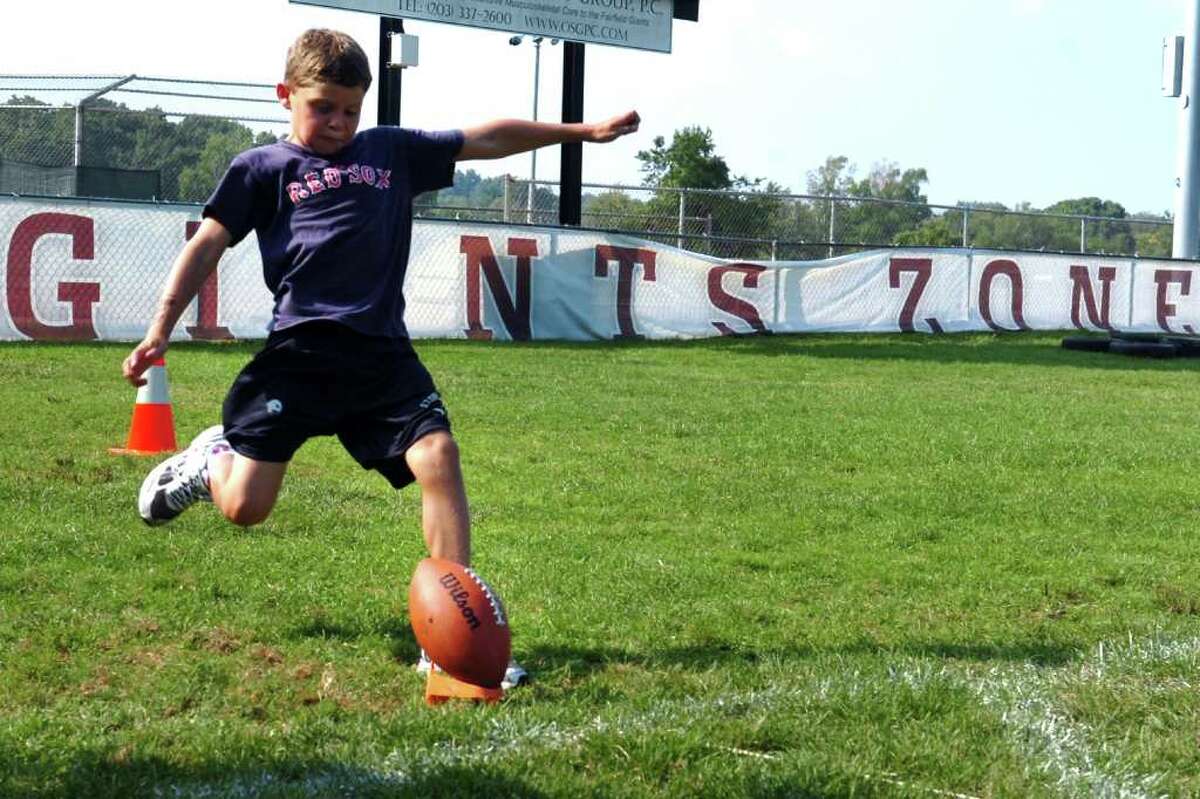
(1146, 349)
(1086, 344)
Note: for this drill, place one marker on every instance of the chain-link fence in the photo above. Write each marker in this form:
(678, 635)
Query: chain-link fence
(762, 226)
(129, 137)
(137, 137)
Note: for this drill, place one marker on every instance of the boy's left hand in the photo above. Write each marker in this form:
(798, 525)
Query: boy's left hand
(616, 127)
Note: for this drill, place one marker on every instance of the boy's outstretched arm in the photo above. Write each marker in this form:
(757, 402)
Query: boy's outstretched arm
(193, 266)
(504, 137)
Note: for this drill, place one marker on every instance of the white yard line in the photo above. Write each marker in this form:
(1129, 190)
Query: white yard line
(912, 786)
(506, 736)
(1021, 695)
(1052, 742)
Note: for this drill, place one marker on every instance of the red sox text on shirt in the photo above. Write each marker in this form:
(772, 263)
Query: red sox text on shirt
(331, 178)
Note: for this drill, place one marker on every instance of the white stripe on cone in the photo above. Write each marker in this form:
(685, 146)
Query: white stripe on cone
(155, 391)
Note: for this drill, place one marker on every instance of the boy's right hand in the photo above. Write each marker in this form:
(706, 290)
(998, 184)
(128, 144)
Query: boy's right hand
(144, 354)
(615, 128)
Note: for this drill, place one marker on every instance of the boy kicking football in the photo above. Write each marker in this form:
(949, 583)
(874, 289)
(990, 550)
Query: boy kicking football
(332, 210)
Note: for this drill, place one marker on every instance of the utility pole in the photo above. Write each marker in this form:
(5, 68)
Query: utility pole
(1181, 79)
(570, 198)
(1186, 241)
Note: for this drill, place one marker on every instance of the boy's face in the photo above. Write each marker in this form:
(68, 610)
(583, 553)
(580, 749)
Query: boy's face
(324, 115)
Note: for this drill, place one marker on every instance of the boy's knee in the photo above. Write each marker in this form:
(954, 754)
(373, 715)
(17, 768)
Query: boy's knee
(244, 511)
(433, 456)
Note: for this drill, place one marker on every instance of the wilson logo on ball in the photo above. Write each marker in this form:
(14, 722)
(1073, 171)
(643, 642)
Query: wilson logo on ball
(460, 597)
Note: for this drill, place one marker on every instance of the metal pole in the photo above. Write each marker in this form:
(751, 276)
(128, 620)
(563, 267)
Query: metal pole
(966, 222)
(831, 218)
(570, 202)
(1186, 241)
(1083, 234)
(682, 200)
(508, 179)
(79, 114)
(537, 71)
(79, 135)
(387, 111)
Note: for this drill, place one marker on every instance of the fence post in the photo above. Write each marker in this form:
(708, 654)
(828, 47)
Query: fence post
(79, 114)
(682, 208)
(79, 136)
(1083, 234)
(774, 249)
(529, 202)
(832, 217)
(507, 193)
(966, 223)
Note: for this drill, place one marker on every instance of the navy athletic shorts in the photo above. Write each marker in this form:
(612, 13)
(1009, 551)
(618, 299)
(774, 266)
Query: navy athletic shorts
(322, 378)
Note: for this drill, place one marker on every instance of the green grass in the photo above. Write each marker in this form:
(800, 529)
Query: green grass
(778, 566)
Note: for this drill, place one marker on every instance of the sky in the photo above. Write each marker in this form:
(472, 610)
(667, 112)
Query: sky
(1011, 101)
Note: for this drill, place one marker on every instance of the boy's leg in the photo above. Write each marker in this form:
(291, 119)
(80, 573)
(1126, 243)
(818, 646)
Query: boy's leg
(209, 470)
(445, 517)
(243, 489)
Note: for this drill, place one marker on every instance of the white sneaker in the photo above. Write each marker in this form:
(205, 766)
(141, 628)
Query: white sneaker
(514, 675)
(180, 480)
(425, 665)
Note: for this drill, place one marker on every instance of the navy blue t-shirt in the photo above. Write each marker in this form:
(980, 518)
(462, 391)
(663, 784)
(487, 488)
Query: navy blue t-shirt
(335, 231)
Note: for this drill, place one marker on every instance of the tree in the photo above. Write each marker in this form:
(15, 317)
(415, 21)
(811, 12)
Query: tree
(197, 180)
(1106, 236)
(1154, 239)
(43, 135)
(616, 210)
(879, 223)
(743, 208)
(835, 176)
(690, 162)
(943, 230)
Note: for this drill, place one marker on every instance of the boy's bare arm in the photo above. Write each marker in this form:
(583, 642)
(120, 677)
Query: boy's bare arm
(511, 136)
(193, 266)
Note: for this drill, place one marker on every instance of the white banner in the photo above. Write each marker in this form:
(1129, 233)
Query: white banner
(640, 24)
(80, 270)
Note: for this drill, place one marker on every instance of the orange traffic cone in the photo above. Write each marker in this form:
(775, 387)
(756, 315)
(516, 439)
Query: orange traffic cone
(153, 427)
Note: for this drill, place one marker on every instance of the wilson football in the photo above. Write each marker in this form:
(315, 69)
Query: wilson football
(459, 621)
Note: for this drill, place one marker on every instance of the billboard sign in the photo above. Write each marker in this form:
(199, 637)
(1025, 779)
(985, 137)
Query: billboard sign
(638, 24)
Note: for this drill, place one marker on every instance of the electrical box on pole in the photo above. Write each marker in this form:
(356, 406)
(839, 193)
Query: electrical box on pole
(1172, 66)
(405, 51)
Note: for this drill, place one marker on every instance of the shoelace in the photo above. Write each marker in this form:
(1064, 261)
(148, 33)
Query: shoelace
(185, 492)
(171, 472)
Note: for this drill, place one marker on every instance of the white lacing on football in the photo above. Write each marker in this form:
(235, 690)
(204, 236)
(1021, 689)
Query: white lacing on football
(493, 600)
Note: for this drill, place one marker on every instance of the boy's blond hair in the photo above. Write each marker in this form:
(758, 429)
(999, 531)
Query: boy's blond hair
(325, 56)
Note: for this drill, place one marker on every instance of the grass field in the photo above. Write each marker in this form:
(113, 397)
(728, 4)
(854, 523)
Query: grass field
(781, 566)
